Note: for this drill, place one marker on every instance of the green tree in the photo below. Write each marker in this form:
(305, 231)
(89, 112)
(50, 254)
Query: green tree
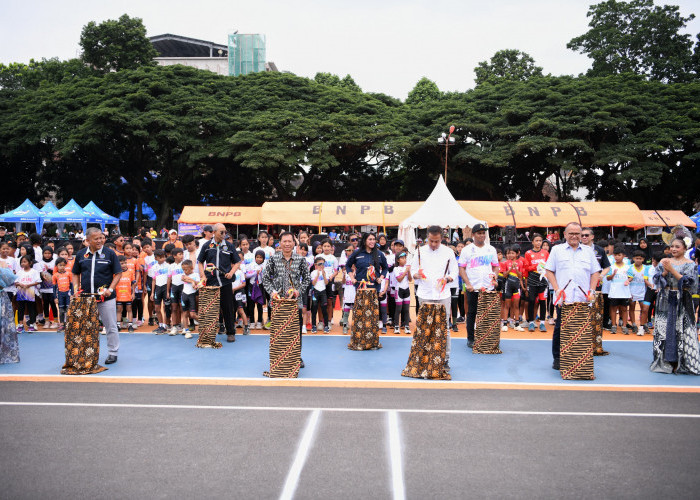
(119, 44)
(424, 91)
(335, 81)
(637, 37)
(507, 64)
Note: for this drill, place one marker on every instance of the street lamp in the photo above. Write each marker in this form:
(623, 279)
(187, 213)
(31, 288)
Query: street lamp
(448, 141)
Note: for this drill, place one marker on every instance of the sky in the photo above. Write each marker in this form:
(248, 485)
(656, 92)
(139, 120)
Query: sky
(385, 45)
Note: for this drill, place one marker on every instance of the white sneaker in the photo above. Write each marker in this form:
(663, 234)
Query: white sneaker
(303, 329)
(519, 328)
(173, 331)
(640, 331)
(188, 335)
(407, 330)
(550, 321)
(103, 331)
(258, 325)
(504, 328)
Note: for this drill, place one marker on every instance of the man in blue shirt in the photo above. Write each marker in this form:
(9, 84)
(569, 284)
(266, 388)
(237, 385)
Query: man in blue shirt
(575, 267)
(98, 267)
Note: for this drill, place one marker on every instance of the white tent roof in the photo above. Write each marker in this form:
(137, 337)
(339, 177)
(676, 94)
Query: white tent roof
(440, 209)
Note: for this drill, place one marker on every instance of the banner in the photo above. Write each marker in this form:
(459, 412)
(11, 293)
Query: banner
(193, 229)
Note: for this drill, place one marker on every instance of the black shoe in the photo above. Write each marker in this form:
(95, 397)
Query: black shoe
(151, 322)
(555, 365)
(454, 327)
(302, 363)
(447, 366)
(470, 344)
(230, 338)
(110, 359)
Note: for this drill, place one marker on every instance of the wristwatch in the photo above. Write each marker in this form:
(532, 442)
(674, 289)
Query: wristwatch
(111, 290)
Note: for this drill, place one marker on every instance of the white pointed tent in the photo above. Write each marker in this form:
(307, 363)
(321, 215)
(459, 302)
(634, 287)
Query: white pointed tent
(440, 209)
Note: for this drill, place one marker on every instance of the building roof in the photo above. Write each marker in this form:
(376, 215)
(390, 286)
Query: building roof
(169, 45)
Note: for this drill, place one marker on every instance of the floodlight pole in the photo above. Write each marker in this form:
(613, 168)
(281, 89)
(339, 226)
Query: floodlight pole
(448, 140)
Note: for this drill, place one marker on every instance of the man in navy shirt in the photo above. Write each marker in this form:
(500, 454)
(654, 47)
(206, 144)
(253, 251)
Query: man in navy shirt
(222, 255)
(95, 267)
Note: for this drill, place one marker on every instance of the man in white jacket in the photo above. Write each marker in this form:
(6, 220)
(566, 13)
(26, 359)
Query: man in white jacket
(434, 267)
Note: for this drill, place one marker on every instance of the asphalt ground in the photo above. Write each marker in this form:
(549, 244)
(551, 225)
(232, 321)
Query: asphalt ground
(114, 440)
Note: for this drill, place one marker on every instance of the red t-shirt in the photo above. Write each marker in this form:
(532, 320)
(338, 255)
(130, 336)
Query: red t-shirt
(533, 258)
(124, 286)
(509, 267)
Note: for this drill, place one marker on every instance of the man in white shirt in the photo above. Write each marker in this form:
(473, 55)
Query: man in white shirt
(435, 267)
(574, 268)
(477, 264)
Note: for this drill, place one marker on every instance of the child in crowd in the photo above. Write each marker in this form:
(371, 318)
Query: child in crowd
(303, 250)
(137, 305)
(70, 260)
(349, 293)
(190, 251)
(146, 261)
(319, 284)
(460, 287)
(402, 277)
(62, 287)
(47, 264)
(638, 288)
(512, 270)
(26, 281)
(331, 270)
(605, 286)
(125, 294)
(159, 273)
(6, 256)
(239, 295)
(620, 277)
(175, 285)
(190, 280)
(254, 276)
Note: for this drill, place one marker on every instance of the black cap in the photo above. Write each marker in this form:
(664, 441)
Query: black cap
(207, 227)
(400, 242)
(479, 227)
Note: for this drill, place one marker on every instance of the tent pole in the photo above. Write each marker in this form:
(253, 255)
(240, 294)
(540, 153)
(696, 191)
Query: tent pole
(236, 231)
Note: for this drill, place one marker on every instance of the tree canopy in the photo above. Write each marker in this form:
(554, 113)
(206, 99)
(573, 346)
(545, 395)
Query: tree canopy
(507, 64)
(638, 37)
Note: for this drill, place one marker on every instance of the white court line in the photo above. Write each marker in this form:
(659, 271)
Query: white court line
(395, 454)
(290, 485)
(352, 410)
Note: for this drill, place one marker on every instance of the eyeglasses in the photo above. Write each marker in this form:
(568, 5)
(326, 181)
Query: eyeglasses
(353, 239)
(583, 235)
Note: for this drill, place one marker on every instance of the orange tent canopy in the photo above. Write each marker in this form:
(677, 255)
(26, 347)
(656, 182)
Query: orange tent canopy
(664, 218)
(337, 213)
(547, 214)
(225, 215)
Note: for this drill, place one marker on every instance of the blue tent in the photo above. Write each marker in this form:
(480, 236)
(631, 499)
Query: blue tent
(96, 214)
(71, 212)
(696, 218)
(48, 208)
(26, 212)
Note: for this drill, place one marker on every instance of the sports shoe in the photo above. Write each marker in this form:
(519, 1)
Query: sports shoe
(625, 330)
(267, 325)
(160, 330)
(239, 324)
(504, 328)
(103, 331)
(246, 329)
(130, 329)
(41, 322)
(384, 329)
(20, 329)
(31, 329)
(519, 328)
(188, 335)
(406, 330)
(640, 331)
(454, 327)
(613, 329)
(646, 329)
(460, 319)
(173, 331)
(308, 326)
(531, 326)
(313, 329)
(550, 321)
(543, 328)
(303, 329)
(157, 330)
(151, 322)
(397, 330)
(345, 328)
(327, 329)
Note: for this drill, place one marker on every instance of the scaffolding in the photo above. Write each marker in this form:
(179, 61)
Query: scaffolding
(246, 54)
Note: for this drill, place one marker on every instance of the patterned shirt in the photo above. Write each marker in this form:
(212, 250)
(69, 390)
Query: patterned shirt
(280, 274)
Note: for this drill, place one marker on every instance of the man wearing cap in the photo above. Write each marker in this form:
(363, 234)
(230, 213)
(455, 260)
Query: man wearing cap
(477, 264)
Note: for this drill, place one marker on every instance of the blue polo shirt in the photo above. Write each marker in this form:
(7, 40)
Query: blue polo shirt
(362, 259)
(96, 270)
